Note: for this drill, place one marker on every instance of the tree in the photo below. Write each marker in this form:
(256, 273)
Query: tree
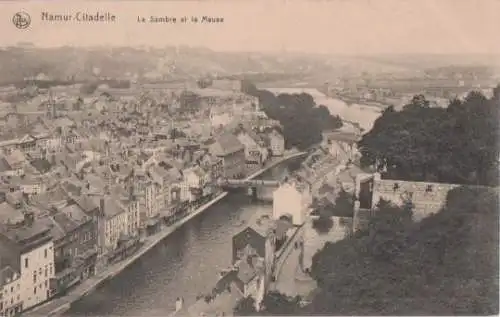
(277, 304)
(88, 88)
(245, 307)
(458, 144)
(302, 121)
(445, 265)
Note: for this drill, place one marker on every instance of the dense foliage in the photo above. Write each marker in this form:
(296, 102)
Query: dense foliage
(274, 304)
(343, 207)
(446, 264)
(458, 144)
(302, 121)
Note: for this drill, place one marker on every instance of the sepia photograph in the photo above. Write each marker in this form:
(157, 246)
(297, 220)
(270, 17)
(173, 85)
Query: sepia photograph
(249, 158)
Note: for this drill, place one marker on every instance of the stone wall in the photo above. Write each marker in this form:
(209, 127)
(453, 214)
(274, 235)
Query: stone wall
(427, 197)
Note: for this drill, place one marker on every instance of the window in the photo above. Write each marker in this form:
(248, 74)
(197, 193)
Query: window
(428, 189)
(34, 290)
(46, 271)
(46, 284)
(45, 252)
(395, 187)
(26, 262)
(12, 289)
(34, 276)
(40, 271)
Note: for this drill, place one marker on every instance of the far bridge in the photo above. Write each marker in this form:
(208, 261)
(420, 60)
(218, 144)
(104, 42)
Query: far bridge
(239, 183)
(257, 188)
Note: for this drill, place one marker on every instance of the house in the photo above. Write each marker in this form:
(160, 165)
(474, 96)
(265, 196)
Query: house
(144, 189)
(168, 187)
(253, 256)
(213, 164)
(232, 152)
(10, 215)
(195, 180)
(11, 303)
(41, 166)
(341, 144)
(292, 200)
(346, 179)
(29, 250)
(255, 147)
(277, 143)
(16, 160)
(32, 185)
(74, 233)
(220, 117)
(132, 205)
(113, 223)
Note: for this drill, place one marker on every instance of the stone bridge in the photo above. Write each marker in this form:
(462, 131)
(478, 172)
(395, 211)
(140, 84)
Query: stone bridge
(245, 183)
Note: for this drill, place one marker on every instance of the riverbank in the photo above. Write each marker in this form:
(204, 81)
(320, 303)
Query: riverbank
(58, 306)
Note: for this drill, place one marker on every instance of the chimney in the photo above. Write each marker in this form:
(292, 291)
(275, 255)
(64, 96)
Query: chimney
(179, 303)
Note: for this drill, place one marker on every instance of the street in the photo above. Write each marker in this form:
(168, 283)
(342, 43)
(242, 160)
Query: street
(291, 281)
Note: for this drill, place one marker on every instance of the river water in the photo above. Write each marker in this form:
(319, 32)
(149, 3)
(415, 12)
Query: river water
(185, 264)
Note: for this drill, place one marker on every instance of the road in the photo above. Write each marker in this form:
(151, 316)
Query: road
(291, 281)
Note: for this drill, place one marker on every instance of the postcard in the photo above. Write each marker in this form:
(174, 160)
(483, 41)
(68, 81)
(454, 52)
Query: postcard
(249, 158)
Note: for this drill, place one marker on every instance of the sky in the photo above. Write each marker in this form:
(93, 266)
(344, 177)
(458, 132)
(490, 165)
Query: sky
(315, 26)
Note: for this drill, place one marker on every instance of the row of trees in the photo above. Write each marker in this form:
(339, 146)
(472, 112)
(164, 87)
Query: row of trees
(302, 121)
(457, 144)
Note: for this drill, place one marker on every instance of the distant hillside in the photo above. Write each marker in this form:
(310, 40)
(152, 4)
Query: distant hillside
(63, 63)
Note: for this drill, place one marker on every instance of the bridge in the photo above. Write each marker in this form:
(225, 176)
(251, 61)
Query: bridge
(238, 183)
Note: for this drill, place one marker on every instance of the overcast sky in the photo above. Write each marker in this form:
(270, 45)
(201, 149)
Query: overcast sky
(338, 26)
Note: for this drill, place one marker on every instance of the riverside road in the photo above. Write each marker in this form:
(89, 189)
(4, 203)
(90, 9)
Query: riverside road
(186, 263)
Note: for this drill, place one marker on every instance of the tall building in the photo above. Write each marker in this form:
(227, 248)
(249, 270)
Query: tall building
(29, 250)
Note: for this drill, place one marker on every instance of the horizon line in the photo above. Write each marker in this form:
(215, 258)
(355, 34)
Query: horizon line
(26, 45)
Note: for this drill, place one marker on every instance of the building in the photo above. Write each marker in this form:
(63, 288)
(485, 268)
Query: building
(29, 249)
(292, 200)
(11, 303)
(254, 250)
(232, 152)
(195, 181)
(255, 147)
(113, 223)
(74, 234)
(277, 143)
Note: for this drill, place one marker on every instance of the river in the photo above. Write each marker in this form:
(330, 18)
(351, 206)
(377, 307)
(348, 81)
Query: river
(363, 115)
(185, 264)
